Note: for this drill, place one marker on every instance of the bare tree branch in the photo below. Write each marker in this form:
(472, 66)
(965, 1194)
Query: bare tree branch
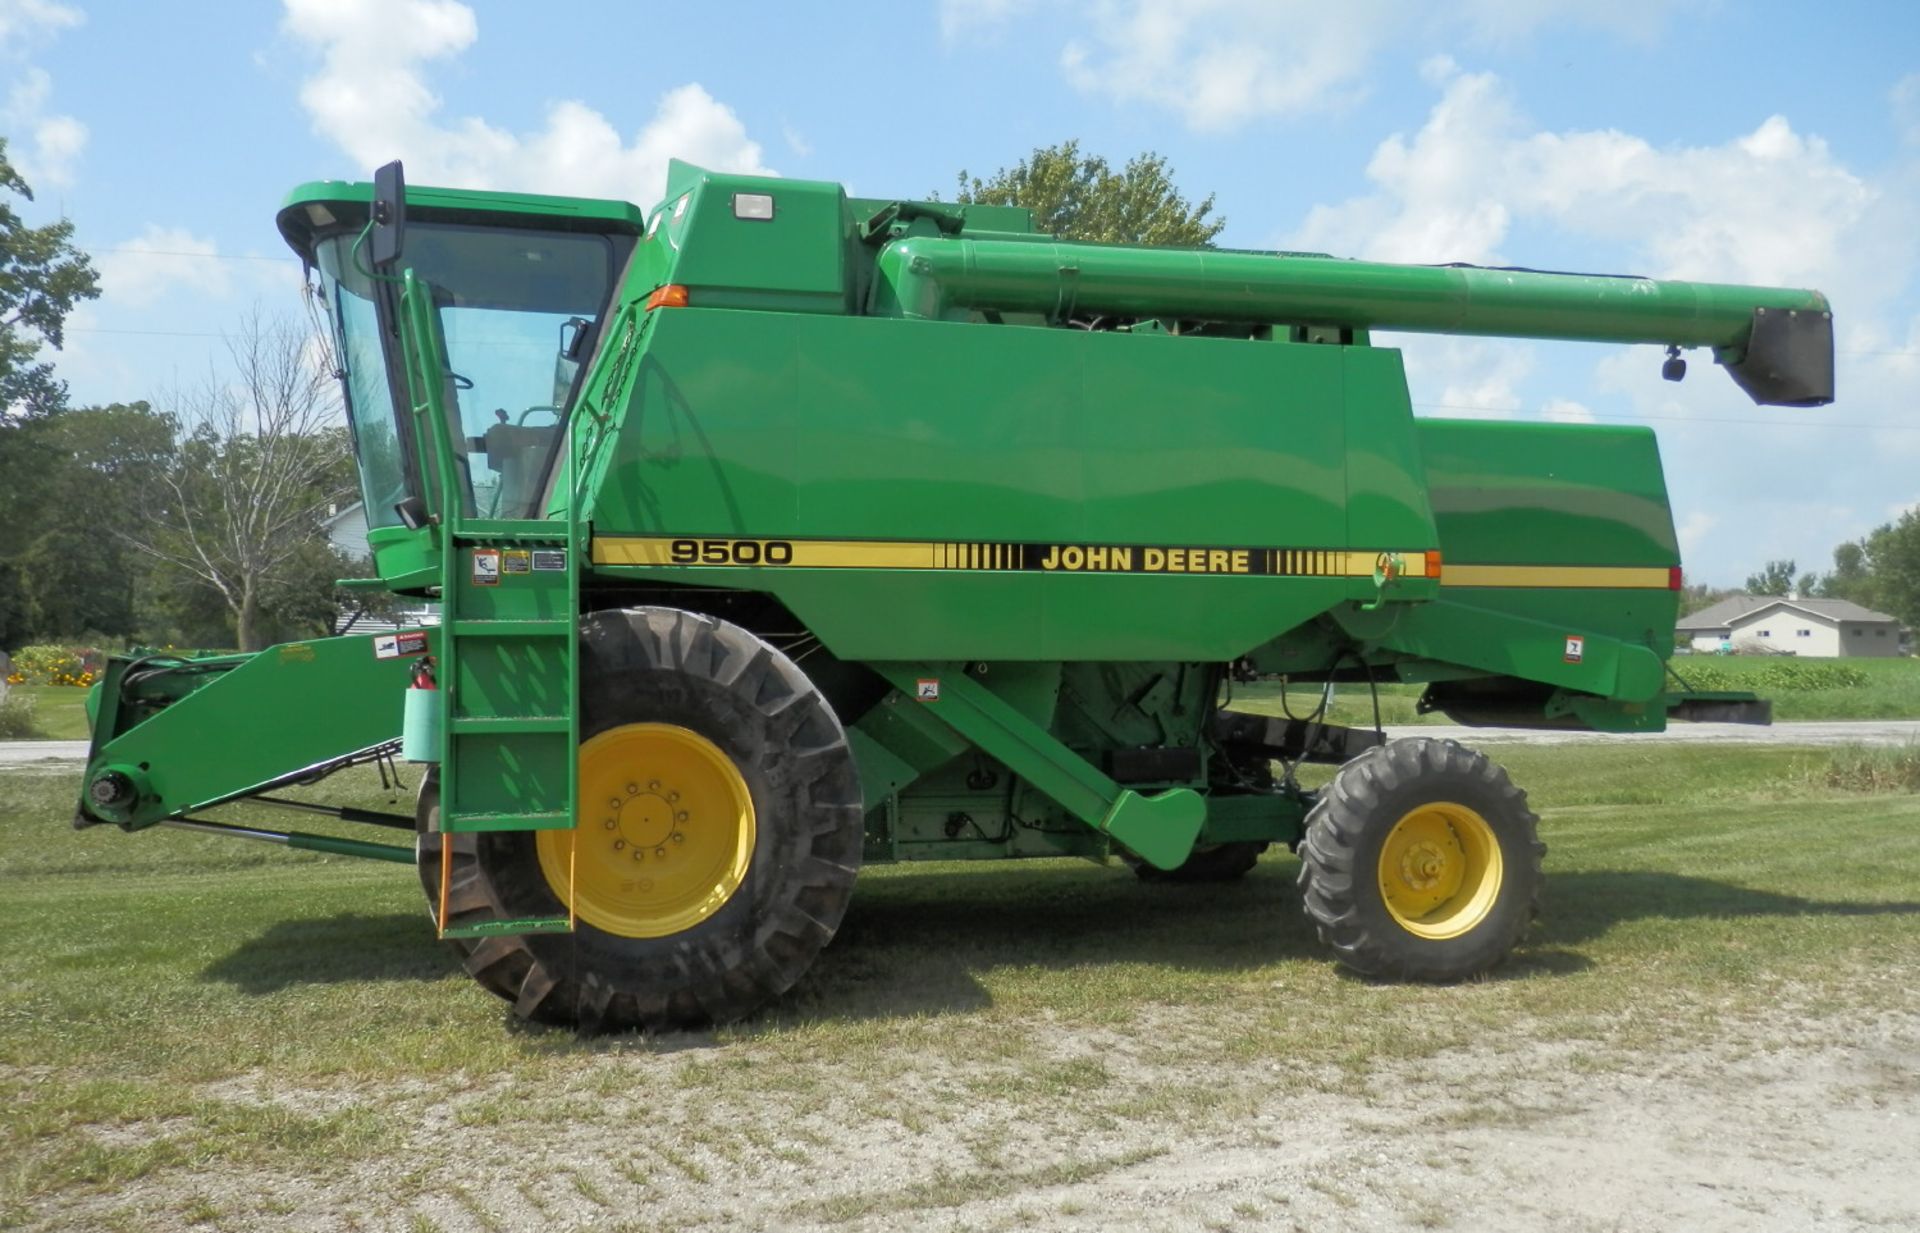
(262, 459)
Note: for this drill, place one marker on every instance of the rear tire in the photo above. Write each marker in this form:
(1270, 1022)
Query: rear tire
(728, 719)
(1421, 862)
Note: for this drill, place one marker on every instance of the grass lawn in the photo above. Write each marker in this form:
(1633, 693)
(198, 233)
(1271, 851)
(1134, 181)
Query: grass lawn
(59, 711)
(205, 1033)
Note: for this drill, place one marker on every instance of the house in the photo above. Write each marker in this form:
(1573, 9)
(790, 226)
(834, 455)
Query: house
(1787, 625)
(346, 528)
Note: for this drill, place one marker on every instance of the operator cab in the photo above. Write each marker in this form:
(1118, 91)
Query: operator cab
(520, 286)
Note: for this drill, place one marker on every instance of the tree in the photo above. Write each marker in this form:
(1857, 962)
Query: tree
(259, 462)
(42, 277)
(1776, 578)
(1079, 197)
(1893, 560)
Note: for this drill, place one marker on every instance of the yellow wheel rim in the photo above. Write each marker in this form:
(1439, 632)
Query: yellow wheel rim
(1440, 870)
(666, 832)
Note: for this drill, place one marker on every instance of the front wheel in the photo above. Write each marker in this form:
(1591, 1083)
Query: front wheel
(718, 836)
(1421, 862)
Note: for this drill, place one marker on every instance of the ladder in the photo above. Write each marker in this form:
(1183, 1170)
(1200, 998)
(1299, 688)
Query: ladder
(508, 667)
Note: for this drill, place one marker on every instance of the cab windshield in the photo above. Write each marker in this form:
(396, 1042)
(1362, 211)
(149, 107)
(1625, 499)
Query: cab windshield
(516, 307)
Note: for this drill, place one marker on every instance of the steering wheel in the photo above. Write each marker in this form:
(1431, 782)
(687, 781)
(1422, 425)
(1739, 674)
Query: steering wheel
(460, 382)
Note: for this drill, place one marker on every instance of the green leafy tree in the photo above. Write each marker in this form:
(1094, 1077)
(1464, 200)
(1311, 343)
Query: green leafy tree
(1081, 197)
(1775, 578)
(1851, 577)
(1893, 560)
(42, 277)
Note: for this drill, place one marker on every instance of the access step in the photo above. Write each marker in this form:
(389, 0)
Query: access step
(506, 724)
(506, 928)
(470, 823)
(532, 627)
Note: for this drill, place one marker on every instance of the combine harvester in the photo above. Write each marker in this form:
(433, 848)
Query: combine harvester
(776, 531)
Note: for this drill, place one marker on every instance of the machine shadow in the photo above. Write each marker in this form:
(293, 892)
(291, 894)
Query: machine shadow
(335, 949)
(918, 945)
(1584, 905)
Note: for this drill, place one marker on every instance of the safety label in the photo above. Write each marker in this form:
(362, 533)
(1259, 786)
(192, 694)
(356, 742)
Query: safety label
(486, 567)
(1576, 649)
(548, 559)
(516, 561)
(397, 645)
(927, 689)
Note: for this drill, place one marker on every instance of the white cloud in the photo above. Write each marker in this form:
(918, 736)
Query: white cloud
(45, 145)
(1772, 206)
(142, 270)
(24, 22)
(1223, 63)
(371, 97)
(1220, 63)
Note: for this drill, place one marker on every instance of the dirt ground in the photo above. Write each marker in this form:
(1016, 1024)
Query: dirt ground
(1782, 1126)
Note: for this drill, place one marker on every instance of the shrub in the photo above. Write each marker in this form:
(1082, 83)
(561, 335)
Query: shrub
(58, 665)
(16, 718)
(1774, 676)
(1872, 768)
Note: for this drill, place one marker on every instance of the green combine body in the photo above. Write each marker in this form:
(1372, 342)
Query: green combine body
(776, 531)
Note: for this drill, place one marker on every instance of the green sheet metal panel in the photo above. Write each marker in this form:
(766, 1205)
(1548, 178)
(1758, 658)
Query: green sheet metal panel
(759, 425)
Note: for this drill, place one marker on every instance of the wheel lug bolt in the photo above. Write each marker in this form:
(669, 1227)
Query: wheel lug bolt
(619, 844)
(678, 837)
(639, 855)
(660, 852)
(633, 790)
(681, 816)
(672, 797)
(610, 824)
(614, 803)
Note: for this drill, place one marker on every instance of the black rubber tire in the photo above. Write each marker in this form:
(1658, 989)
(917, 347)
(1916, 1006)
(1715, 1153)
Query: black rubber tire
(1346, 828)
(665, 665)
(1222, 862)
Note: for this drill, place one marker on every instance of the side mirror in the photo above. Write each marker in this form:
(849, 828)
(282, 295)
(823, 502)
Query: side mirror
(389, 214)
(573, 336)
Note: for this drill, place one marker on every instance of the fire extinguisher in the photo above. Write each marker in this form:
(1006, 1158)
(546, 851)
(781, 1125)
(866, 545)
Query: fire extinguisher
(420, 724)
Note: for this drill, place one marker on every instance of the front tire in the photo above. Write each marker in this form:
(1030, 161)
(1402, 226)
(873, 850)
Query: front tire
(1421, 862)
(718, 841)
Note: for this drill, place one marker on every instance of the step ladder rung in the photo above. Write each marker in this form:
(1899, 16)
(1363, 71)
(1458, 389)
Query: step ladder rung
(533, 820)
(468, 725)
(548, 627)
(503, 928)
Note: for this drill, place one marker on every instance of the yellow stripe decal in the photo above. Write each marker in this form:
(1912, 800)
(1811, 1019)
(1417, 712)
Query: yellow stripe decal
(1001, 556)
(1609, 577)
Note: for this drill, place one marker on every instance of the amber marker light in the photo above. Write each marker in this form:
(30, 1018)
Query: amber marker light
(673, 295)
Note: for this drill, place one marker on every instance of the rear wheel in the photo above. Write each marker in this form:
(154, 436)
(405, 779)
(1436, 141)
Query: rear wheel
(1421, 862)
(718, 840)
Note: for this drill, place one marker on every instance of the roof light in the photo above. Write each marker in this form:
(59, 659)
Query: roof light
(755, 207)
(673, 295)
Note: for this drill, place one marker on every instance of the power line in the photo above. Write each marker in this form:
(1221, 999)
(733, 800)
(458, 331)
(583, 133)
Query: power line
(1812, 420)
(182, 252)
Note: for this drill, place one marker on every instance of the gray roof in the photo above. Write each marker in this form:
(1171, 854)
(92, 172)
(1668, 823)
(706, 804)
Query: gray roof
(1723, 614)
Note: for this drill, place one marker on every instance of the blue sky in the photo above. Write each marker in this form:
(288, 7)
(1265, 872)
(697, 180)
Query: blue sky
(1745, 142)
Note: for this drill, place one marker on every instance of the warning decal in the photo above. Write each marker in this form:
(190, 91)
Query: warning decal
(516, 561)
(486, 567)
(397, 644)
(1576, 649)
(546, 560)
(927, 689)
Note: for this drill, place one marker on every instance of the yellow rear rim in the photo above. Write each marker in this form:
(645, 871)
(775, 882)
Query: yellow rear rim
(1440, 870)
(666, 832)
